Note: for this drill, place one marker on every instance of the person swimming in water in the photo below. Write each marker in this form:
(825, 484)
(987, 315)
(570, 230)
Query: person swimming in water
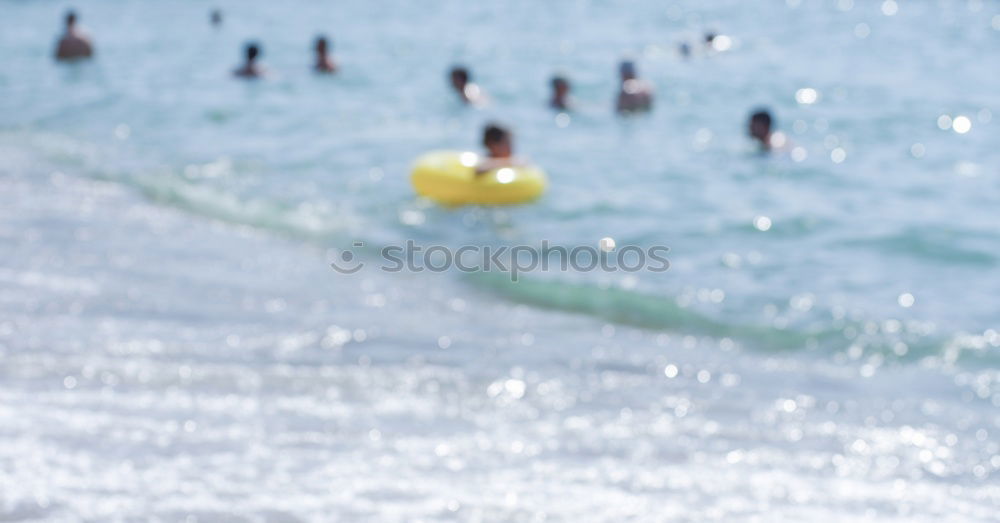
(250, 69)
(499, 144)
(760, 129)
(74, 43)
(324, 64)
(469, 92)
(560, 93)
(215, 17)
(684, 50)
(634, 94)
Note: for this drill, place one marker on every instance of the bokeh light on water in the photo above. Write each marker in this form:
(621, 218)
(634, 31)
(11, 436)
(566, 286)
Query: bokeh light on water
(824, 346)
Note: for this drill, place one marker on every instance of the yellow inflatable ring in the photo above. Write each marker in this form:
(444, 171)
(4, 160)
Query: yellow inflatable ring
(449, 177)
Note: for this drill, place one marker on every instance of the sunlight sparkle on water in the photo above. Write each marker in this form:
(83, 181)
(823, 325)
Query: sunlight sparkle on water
(722, 43)
(806, 96)
(468, 159)
(789, 362)
(961, 124)
(412, 217)
(799, 154)
(122, 131)
(838, 155)
(905, 300)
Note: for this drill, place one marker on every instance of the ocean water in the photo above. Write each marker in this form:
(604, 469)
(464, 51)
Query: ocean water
(824, 347)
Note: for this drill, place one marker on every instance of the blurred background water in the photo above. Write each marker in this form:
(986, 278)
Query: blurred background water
(824, 346)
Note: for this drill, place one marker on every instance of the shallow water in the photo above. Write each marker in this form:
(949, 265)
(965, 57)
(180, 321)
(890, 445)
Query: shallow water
(174, 344)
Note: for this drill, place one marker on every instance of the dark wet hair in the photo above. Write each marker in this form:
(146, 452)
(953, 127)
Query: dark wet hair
(494, 133)
(70, 17)
(321, 40)
(558, 80)
(216, 16)
(253, 50)
(709, 36)
(461, 72)
(761, 116)
(627, 68)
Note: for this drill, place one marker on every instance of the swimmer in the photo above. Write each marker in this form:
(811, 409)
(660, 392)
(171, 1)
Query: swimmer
(560, 93)
(499, 145)
(324, 64)
(634, 94)
(74, 43)
(760, 129)
(250, 69)
(469, 92)
(215, 18)
(684, 49)
(717, 43)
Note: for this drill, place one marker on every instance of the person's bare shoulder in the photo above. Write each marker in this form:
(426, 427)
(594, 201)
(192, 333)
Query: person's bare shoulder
(86, 46)
(74, 46)
(62, 48)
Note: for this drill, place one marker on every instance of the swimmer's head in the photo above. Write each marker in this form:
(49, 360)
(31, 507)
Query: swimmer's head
(497, 139)
(627, 69)
(70, 18)
(322, 45)
(252, 51)
(459, 77)
(710, 37)
(216, 17)
(760, 125)
(560, 85)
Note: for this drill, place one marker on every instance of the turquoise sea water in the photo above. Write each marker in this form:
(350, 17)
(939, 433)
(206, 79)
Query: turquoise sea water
(824, 345)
